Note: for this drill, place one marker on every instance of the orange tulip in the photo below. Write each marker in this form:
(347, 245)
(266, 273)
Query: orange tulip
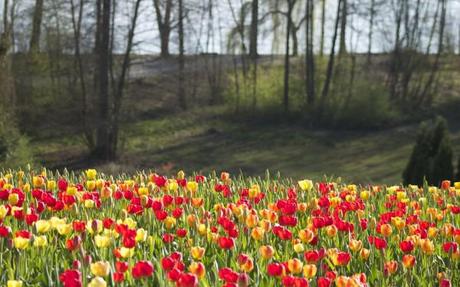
(408, 261)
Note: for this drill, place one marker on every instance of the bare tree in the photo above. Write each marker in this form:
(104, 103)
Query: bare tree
(163, 11)
(330, 65)
(102, 147)
(36, 26)
(181, 88)
(323, 21)
(254, 29)
(287, 63)
(309, 55)
(343, 28)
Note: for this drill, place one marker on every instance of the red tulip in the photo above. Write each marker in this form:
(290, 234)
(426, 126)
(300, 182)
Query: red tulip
(118, 277)
(70, 278)
(226, 242)
(228, 275)
(450, 247)
(187, 280)
(406, 246)
(276, 269)
(121, 266)
(324, 282)
(142, 269)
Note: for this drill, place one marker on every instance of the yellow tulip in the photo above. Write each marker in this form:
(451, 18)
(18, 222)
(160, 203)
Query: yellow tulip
(100, 268)
(309, 271)
(126, 252)
(40, 241)
(3, 212)
(197, 252)
(13, 198)
(21, 242)
(42, 226)
(64, 229)
(170, 222)
(91, 174)
(295, 266)
(97, 282)
(102, 241)
(306, 184)
(14, 283)
(141, 235)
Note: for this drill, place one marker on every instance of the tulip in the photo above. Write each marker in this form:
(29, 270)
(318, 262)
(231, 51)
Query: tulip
(142, 269)
(306, 235)
(364, 254)
(40, 241)
(102, 241)
(21, 243)
(100, 268)
(386, 230)
(408, 261)
(276, 270)
(198, 269)
(97, 282)
(197, 252)
(427, 246)
(298, 248)
(295, 266)
(14, 283)
(257, 233)
(42, 226)
(391, 267)
(91, 174)
(355, 245)
(266, 251)
(306, 185)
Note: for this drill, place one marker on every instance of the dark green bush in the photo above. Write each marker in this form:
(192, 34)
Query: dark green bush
(432, 156)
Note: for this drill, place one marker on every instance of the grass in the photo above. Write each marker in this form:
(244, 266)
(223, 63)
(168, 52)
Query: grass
(201, 140)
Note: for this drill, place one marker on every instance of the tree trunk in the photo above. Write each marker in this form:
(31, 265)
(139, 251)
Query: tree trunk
(330, 65)
(181, 88)
(395, 61)
(36, 26)
(343, 28)
(427, 97)
(78, 66)
(113, 133)
(286, 56)
(103, 148)
(295, 41)
(323, 21)
(309, 56)
(371, 31)
(254, 29)
(164, 25)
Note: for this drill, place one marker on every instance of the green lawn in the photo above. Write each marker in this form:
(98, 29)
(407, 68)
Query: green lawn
(204, 141)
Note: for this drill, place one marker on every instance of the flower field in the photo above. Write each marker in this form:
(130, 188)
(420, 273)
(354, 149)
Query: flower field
(92, 229)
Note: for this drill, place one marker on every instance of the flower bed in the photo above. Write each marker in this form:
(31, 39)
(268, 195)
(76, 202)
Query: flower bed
(93, 229)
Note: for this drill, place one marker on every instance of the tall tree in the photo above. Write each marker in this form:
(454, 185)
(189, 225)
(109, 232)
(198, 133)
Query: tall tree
(163, 11)
(343, 28)
(181, 88)
(309, 56)
(330, 64)
(291, 4)
(77, 18)
(102, 148)
(36, 26)
(371, 30)
(254, 29)
(323, 22)
(120, 86)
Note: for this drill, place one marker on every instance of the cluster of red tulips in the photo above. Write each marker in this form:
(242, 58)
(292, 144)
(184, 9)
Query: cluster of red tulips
(97, 230)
